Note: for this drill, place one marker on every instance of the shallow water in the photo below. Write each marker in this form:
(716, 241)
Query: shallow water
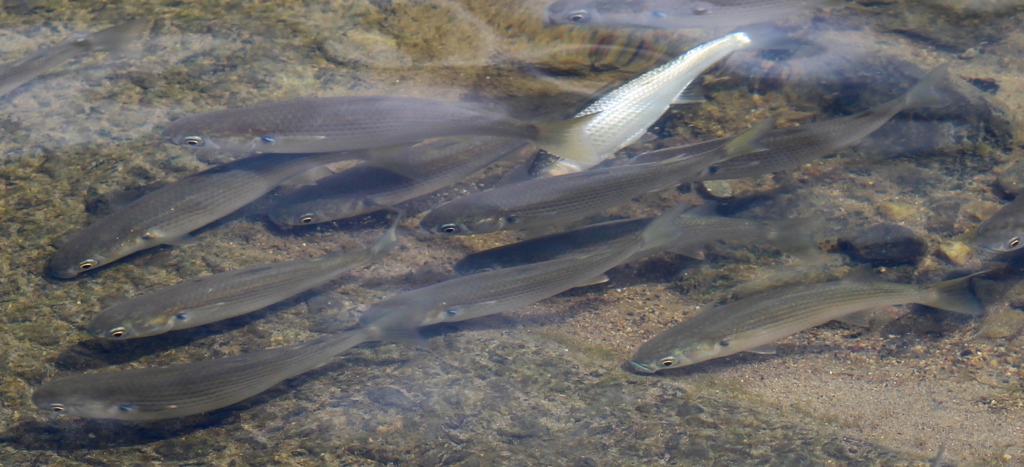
(545, 385)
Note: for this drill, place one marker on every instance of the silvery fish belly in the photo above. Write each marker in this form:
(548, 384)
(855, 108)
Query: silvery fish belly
(623, 115)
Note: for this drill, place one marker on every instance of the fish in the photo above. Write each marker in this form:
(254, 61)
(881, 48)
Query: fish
(115, 39)
(1004, 230)
(487, 293)
(167, 215)
(752, 324)
(676, 14)
(547, 201)
(346, 123)
(185, 389)
(787, 148)
(365, 189)
(697, 229)
(622, 116)
(228, 294)
(191, 388)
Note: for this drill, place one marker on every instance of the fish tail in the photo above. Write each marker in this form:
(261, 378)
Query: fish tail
(390, 237)
(663, 229)
(123, 39)
(955, 295)
(750, 140)
(568, 139)
(797, 237)
(925, 93)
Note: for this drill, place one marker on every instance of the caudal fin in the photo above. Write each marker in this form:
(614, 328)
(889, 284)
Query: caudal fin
(955, 295)
(797, 237)
(925, 92)
(568, 139)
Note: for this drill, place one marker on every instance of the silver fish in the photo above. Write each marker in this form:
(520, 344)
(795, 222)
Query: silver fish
(623, 115)
(229, 294)
(113, 39)
(167, 215)
(786, 148)
(1004, 231)
(366, 189)
(548, 201)
(363, 122)
(192, 388)
(794, 236)
(492, 292)
(676, 14)
(189, 388)
(753, 323)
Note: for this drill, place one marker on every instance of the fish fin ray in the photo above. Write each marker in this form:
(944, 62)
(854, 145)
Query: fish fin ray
(568, 139)
(925, 92)
(956, 296)
(860, 318)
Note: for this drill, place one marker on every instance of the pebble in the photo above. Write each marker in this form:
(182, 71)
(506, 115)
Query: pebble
(955, 252)
(884, 244)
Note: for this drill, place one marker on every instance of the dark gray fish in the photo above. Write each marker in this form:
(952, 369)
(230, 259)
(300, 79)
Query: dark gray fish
(492, 292)
(189, 388)
(113, 39)
(787, 148)
(1004, 231)
(364, 122)
(676, 14)
(166, 216)
(366, 189)
(229, 294)
(794, 236)
(552, 200)
(754, 323)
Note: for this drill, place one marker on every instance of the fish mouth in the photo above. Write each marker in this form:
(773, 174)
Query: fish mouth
(640, 367)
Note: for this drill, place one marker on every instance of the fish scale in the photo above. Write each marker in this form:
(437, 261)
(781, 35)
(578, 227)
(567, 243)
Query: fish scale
(624, 114)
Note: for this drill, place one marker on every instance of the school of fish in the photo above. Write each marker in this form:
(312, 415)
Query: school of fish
(410, 147)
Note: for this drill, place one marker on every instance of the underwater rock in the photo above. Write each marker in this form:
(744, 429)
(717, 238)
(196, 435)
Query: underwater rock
(884, 244)
(1011, 178)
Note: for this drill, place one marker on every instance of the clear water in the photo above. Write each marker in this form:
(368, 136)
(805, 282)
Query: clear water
(546, 385)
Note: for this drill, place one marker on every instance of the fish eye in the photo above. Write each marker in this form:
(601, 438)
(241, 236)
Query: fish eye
(268, 139)
(181, 316)
(193, 140)
(667, 362)
(723, 343)
(307, 218)
(449, 228)
(126, 407)
(701, 11)
(452, 311)
(511, 220)
(1013, 243)
(116, 333)
(659, 14)
(57, 408)
(87, 264)
(579, 16)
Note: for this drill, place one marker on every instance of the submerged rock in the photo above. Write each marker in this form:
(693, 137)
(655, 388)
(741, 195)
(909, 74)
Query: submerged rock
(884, 244)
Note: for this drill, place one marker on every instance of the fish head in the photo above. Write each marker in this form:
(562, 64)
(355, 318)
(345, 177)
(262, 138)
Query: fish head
(113, 324)
(997, 237)
(64, 397)
(290, 218)
(571, 12)
(69, 262)
(450, 219)
(665, 351)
